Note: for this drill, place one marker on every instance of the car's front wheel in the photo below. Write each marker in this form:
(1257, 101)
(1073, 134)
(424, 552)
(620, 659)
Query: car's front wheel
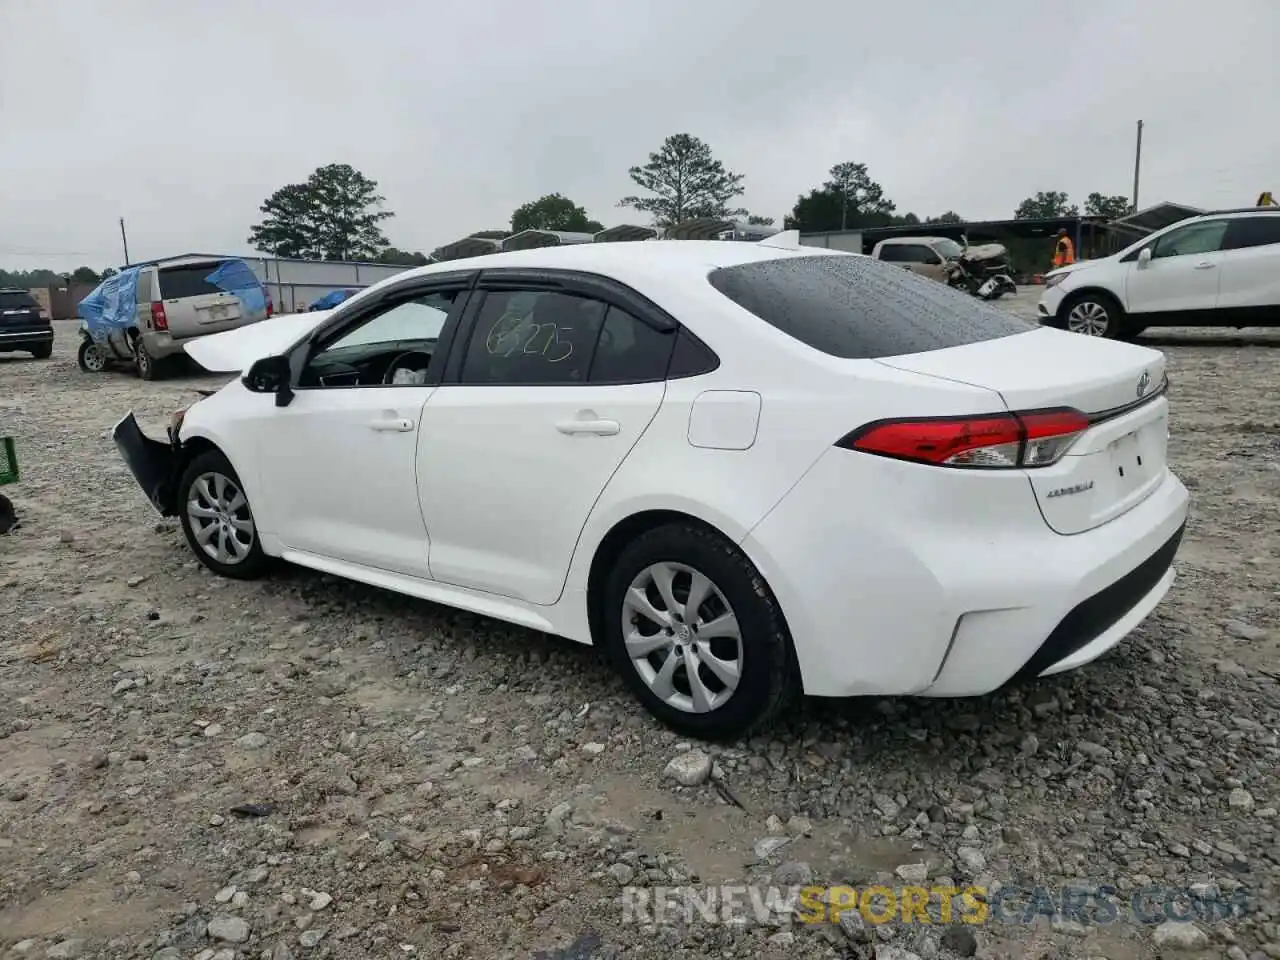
(1094, 315)
(696, 633)
(217, 519)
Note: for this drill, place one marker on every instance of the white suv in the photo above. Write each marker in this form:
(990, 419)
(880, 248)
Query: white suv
(1219, 269)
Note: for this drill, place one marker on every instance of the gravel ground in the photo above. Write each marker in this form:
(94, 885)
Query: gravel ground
(435, 784)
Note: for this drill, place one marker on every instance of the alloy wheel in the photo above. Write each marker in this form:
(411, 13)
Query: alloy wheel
(682, 637)
(220, 519)
(1088, 317)
(95, 361)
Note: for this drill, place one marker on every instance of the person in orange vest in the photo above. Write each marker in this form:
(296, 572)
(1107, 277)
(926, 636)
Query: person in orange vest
(1064, 253)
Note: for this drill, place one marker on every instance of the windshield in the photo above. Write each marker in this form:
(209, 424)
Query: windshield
(949, 249)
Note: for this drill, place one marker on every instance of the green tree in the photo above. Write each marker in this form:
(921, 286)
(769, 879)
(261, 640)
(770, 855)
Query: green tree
(756, 220)
(949, 217)
(685, 182)
(86, 275)
(849, 199)
(402, 257)
(334, 215)
(109, 272)
(1046, 205)
(1096, 205)
(553, 212)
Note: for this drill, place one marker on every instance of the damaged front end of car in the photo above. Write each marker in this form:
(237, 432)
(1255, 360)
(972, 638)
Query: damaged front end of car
(156, 466)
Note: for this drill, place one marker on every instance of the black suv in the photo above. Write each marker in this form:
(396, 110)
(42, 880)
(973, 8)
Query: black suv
(21, 325)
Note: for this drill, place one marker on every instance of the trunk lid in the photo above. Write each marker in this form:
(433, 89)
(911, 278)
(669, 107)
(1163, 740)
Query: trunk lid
(19, 309)
(1120, 459)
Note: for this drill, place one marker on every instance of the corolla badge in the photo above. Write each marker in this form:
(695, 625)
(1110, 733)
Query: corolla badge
(1144, 381)
(1068, 491)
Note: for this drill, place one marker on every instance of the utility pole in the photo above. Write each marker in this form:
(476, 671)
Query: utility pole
(124, 239)
(1137, 167)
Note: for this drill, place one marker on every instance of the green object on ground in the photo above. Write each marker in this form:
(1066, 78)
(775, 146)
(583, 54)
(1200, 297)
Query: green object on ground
(9, 462)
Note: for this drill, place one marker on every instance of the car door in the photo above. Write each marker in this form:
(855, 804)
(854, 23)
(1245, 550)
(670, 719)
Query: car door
(927, 262)
(1250, 285)
(1183, 273)
(544, 399)
(338, 462)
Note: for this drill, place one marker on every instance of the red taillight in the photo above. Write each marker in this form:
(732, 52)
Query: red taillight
(996, 441)
(158, 320)
(271, 307)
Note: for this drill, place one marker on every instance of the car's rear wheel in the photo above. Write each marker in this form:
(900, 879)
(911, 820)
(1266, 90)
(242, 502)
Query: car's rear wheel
(143, 361)
(91, 358)
(217, 519)
(1094, 315)
(696, 633)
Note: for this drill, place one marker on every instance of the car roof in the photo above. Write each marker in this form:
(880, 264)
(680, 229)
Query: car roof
(623, 260)
(892, 240)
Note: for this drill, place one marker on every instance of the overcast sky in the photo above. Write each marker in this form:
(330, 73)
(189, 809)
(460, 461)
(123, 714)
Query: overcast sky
(183, 115)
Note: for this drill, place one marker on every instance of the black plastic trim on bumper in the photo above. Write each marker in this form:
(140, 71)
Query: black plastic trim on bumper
(1093, 617)
(153, 464)
(21, 339)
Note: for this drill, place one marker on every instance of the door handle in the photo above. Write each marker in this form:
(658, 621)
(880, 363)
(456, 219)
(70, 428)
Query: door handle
(1204, 265)
(394, 425)
(599, 428)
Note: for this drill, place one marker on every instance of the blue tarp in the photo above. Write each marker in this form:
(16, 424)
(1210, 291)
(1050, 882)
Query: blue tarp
(111, 305)
(234, 276)
(332, 299)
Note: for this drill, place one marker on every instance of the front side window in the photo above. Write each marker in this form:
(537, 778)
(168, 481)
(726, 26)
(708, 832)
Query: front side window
(393, 347)
(919, 253)
(1198, 238)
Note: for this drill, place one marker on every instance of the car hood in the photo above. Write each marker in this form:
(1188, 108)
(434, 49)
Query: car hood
(235, 350)
(1072, 268)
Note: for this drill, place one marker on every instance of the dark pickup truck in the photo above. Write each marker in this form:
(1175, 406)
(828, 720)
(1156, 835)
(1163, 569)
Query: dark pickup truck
(22, 326)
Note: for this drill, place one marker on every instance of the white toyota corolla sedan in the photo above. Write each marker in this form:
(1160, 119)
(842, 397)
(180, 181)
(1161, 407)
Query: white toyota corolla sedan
(746, 470)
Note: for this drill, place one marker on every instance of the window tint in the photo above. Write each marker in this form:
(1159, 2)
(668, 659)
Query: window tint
(919, 253)
(691, 357)
(530, 337)
(630, 351)
(893, 253)
(1205, 237)
(15, 299)
(419, 319)
(1249, 232)
(856, 307)
(177, 282)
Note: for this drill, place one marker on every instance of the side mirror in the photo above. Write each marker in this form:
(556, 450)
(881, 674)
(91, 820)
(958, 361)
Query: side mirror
(270, 375)
(1144, 257)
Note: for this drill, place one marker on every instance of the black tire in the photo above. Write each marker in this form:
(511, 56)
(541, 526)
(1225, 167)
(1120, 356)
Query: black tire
(85, 363)
(8, 516)
(43, 352)
(146, 365)
(769, 678)
(254, 563)
(1102, 307)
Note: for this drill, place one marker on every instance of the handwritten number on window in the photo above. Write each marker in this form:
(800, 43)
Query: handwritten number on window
(511, 335)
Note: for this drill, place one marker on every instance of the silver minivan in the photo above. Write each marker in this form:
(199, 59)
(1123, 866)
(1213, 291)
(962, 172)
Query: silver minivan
(176, 303)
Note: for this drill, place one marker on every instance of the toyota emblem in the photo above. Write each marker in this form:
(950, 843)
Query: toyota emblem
(1144, 381)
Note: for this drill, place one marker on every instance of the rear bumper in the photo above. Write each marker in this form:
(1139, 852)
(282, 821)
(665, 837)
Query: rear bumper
(890, 589)
(154, 465)
(160, 344)
(25, 337)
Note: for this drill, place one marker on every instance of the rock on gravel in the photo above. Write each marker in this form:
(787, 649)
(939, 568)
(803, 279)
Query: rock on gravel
(1179, 935)
(689, 769)
(230, 929)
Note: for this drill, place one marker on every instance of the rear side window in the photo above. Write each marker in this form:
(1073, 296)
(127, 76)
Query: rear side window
(179, 282)
(1253, 232)
(859, 308)
(893, 253)
(12, 299)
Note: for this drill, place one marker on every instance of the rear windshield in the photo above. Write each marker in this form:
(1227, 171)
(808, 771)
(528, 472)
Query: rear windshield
(17, 298)
(859, 308)
(187, 281)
